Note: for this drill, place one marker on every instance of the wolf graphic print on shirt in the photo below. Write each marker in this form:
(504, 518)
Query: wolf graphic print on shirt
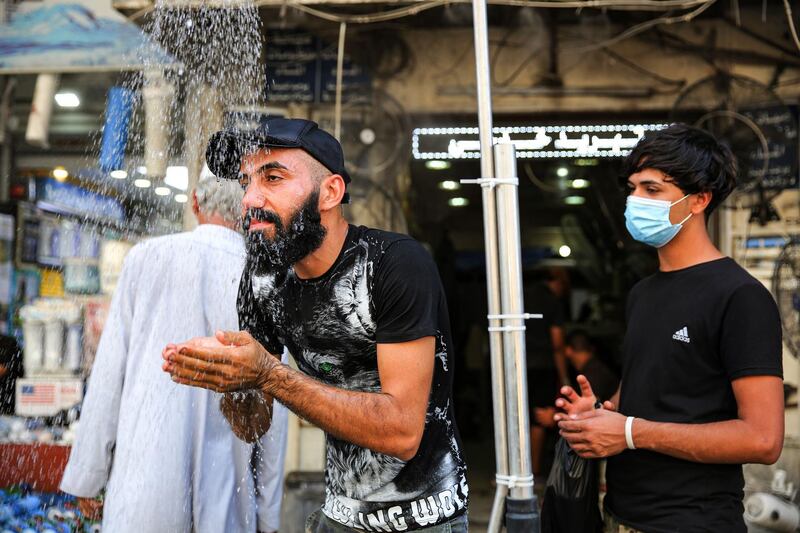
(383, 288)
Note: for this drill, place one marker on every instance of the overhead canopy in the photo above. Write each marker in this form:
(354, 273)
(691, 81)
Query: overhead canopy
(74, 36)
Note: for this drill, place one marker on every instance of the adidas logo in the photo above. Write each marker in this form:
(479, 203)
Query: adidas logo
(682, 335)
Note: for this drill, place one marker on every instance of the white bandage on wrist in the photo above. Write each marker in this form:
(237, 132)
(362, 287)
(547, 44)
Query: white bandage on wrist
(629, 433)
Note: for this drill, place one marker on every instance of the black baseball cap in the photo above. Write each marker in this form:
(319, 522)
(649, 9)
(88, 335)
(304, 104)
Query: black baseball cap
(226, 148)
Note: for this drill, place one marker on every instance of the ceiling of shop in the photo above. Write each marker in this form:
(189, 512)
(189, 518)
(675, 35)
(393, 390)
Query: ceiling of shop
(70, 128)
(542, 207)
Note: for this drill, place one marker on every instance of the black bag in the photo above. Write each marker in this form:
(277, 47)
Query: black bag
(570, 498)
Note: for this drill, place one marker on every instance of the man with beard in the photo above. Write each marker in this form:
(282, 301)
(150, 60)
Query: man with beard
(364, 315)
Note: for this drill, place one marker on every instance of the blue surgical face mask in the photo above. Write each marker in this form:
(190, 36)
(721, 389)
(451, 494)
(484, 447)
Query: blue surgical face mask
(648, 220)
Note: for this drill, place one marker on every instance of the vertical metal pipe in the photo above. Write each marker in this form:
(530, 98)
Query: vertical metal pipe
(522, 508)
(337, 110)
(481, 34)
(512, 304)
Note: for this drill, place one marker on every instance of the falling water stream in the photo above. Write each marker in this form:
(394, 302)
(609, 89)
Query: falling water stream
(218, 73)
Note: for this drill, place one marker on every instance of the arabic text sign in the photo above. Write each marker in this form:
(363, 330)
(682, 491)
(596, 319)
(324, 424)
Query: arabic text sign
(609, 140)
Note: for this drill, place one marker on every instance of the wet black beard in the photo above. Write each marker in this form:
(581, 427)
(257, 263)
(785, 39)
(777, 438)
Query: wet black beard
(304, 234)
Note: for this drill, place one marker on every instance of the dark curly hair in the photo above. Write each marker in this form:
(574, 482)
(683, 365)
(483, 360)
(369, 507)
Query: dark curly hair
(691, 158)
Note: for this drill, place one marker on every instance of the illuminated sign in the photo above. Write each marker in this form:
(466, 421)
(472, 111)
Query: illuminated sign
(609, 140)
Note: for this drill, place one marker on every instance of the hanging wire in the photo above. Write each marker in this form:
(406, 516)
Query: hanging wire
(792, 27)
(641, 70)
(517, 71)
(414, 9)
(737, 13)
(536, 181)
(644, 26)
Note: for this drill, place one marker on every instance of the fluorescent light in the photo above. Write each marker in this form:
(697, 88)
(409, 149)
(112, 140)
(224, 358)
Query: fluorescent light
(579, 183)
(435, 164)
(60, 173)
(457, 202)
(162, 191)
(181, 198)
(177, 177)
(586, 162)
(142, 170)
(142, 183)
(564, 251)
(562, 172)
(574, 200)
(449, 185)
(67, 99)
(118, 174)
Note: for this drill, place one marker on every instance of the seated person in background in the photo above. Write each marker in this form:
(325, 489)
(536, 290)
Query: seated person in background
(547, 366)
(580, 352)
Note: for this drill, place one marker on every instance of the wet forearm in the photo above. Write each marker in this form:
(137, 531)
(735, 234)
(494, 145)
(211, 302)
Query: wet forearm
(372, 420)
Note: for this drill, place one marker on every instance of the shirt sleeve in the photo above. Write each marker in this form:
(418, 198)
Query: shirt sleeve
(252, 320)
(89, 463)
(750, 337)
(406, 294)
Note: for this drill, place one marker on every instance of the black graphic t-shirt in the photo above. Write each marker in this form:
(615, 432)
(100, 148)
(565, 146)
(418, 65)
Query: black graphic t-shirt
(691, 332)
(383, 288)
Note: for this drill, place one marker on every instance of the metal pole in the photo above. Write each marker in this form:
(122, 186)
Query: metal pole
(481, 33)
(337, 110)
(522, 513)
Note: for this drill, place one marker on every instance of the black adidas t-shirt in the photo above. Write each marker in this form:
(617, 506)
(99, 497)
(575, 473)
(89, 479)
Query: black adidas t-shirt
(690, 333)
(383, 288)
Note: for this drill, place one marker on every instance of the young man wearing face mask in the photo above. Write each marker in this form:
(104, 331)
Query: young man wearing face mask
(363, 313)
(701, 390)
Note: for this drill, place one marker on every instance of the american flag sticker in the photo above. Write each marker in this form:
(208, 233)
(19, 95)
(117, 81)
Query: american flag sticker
(47, 396)
(40, 393)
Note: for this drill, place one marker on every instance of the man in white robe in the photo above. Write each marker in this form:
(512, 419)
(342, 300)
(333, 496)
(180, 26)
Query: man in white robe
(164, 453)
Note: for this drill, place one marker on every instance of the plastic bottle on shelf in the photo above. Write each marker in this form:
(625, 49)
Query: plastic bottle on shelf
(74, 352)
(33, 334)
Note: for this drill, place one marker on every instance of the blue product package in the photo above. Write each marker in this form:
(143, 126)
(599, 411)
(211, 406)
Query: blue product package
(119, 109)
(27, 505)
